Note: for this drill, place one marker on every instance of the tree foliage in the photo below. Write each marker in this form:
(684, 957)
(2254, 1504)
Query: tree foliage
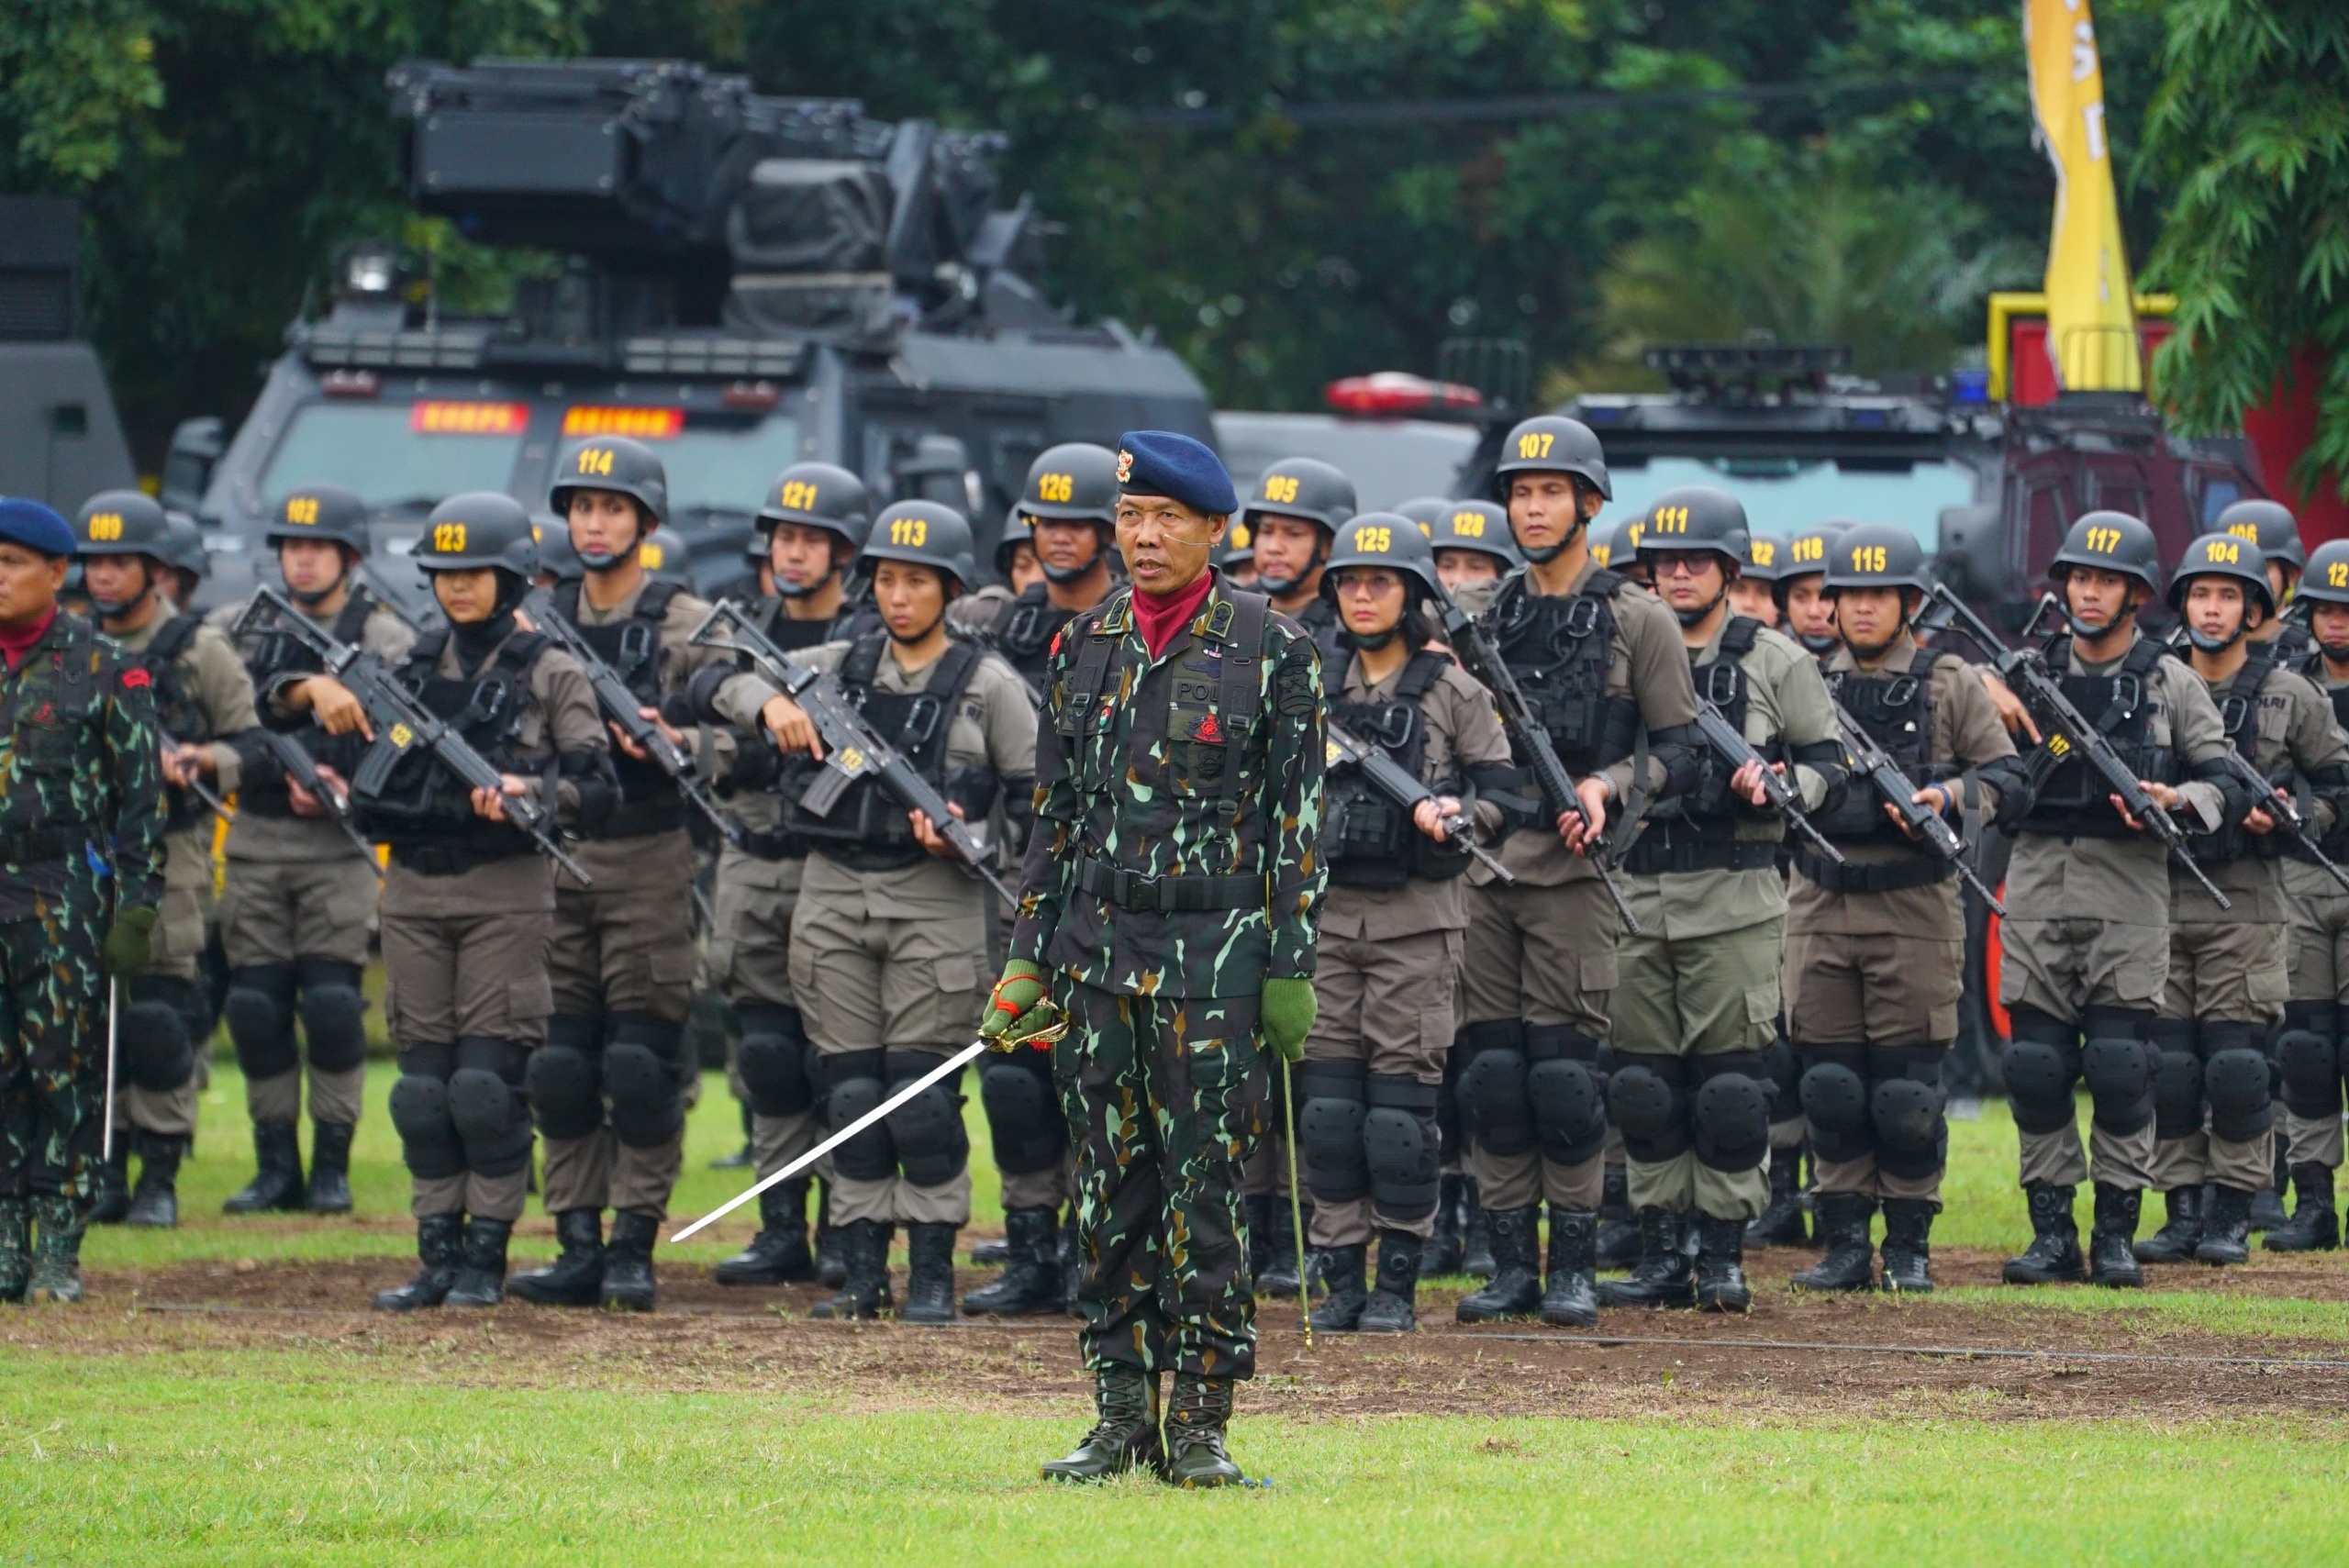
(2251, 130)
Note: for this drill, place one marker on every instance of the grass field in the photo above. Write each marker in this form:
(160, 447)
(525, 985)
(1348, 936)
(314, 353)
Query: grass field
(2200, 1420)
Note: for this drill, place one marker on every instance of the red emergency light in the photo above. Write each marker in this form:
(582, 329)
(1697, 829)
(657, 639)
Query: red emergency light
(1393, 395)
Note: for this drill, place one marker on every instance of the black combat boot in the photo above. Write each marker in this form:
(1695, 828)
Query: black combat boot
(1850, 1262)
(1515, 1289)
(2181, 1232)
(2112, 1259)
(1342, 1271)
(111, 1199)
(1279, 1278)
(1781, 1224)
(778, 1254)
(439, 1239)
(576, 1278)
(1441, 1252)
(1571, 1300)
(1394, 1304)
(1720, 1265)
(994, 1253)
(2313, 1227)
(330, 1188)
(56, 1273)
(15, 1248)
(2054, 1255)
(930, 1274)
(155, 1201)
(1475, 1233)
(628, 1284)
(1619, 1228)
(1907, 1246)
(2226, 1227)
(1197, 1419)
(1032, 1280)
(481, 1271)
(277, 1183)
(831, 1252)
(1663, 1276)
(1125, 1428)
(2267, 1203)
(864, 1282)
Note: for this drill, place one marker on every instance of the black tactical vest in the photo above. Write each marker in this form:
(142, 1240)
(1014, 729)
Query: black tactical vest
(2238, 708)
(2074, 801)
(1023, 633)
(1707, 812)
(1369, 840)
(868, 828)
(424, 811)
(1559, 647)
(270, 655)
(1896, 712)
(2336, 843)
(177, 712)
(632, 646)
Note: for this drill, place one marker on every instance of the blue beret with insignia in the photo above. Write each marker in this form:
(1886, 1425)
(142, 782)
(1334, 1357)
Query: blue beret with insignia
(1163, 463)
(30, 524)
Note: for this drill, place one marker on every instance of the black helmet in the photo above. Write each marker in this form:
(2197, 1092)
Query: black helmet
(555, 555)
(1765, 558)
(1475, 525)
(1693, 517)
(928, 534)
(1075, 481)
(183, 545)
(1238, 546)
(664, 551)
(1301, 487)
(2221, 555)
(1875, 555)
(2110, 541)
(1808, 552)
(480, 527)
(1553, 444)
(1606, 539)
(615, 464)
(818, 496)
(2327, 579)
(2269, 525)
(122, 522)
(1382, 538)
(320, 511)
(1423, 510)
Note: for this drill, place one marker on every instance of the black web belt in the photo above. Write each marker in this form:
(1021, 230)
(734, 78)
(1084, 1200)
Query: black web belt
(1168, 894)
(1873, 877)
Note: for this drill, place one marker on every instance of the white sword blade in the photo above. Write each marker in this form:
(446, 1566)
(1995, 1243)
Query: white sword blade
(113, 991)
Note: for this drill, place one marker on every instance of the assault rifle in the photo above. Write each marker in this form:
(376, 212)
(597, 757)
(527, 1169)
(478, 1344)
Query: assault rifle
(2279, 803)
(196, 786)
(1474, 645)
(303, 769)
(1730, 744)
(2025, 669)
(853, 750)
(624, 709)
(1896, 790)
(403, 724)
(1392, 780)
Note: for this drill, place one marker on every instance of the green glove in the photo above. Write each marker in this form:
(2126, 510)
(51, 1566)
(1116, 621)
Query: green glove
(129, 942)
(1019, 994)
(1287, 1007)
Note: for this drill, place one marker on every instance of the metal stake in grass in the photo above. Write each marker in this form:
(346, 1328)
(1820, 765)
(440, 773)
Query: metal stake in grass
(114, 994)
(1297, 1212)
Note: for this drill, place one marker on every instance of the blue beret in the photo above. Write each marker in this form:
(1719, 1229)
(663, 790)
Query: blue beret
(1161, 462)
(30, 524)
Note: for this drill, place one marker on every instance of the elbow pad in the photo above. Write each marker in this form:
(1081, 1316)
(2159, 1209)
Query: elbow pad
(1824, 758)
(1019, 806)
(590, 772)
(1682, 749)
(699, 698)
(972, 789)
(1497, 784)
(2236, 795)
(2010, 776)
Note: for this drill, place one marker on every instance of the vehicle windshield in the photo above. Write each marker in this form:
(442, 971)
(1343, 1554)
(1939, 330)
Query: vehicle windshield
(721, 463)
(1786, 496)
(391, 453)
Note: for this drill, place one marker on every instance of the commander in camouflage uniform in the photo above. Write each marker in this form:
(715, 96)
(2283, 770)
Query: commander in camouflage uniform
(81, 801)
(1170, 892)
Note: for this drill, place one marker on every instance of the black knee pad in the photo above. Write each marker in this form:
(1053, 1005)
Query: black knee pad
(428, 1140)
(2039, 1074)
(773, 1059)
(1731, 1111)
(566, 1090)
(259, 1010)
(644, 1081)
(1025, 1122)
(157, 1054)
(1330, 1130)
(2310, 1066)
(491, 1115)
(1911, 1135)
(2177, 1096)
(852, 1085)
(1834, 1092)
(2234, 1081)
(334, 1023)
(1567, 1096)
(2119, 1075)
(1493, 1102)
(1647, 1096)
(932, 1145)
(1399, 1145)
(1784, 1070)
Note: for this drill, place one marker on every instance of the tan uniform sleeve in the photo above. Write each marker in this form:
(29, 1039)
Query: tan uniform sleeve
(2196, 736)
(1804, 715)
(1462, 715)
(224, 690)
(1656, 669)
(2316, 744)
(1970, 734)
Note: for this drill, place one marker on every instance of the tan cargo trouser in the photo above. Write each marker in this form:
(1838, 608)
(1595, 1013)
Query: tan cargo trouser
(1388, 1004)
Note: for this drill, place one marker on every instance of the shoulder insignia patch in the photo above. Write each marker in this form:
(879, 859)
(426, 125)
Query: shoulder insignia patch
(136, 678)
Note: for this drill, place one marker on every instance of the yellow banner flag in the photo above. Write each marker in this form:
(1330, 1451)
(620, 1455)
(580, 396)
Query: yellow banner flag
(2091, 327)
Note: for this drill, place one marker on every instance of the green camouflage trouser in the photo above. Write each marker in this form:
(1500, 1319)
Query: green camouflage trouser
(1161, 1095)
(52, 1054)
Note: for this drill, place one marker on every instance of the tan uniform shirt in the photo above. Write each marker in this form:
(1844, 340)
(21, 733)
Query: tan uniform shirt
(2292, 727)
(217, 680)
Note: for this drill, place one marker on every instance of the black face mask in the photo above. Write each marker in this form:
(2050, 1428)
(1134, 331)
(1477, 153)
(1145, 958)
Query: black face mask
(1820, 644)
(477, 642)
(783, 590)
(1368, 641)
(2202, 643)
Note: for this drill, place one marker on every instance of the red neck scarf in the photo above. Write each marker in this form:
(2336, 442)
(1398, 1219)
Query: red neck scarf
(1159, 617)
(15, 641)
